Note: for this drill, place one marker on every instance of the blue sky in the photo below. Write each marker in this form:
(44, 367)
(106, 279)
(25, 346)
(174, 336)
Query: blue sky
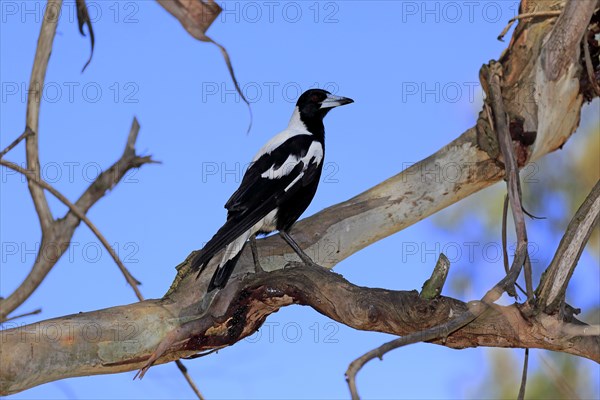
(412, 69)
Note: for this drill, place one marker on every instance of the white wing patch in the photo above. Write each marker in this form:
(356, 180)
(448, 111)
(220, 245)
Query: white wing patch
(315, 151)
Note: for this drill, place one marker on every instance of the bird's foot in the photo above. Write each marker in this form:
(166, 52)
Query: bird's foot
(293, 264)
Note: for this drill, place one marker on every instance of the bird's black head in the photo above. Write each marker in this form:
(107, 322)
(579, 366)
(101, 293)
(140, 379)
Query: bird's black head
(316, 103)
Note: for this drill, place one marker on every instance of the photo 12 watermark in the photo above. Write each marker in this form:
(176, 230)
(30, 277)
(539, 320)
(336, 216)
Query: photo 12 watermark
(71, 92)
(125, 12)
(67, 172)
(457, 252)
(455, 172)
(69, 331)
(454, 12)
(271, 12)
(295, 332)
(254, 92)
(440, 92)
(92, 252)
(224, 172)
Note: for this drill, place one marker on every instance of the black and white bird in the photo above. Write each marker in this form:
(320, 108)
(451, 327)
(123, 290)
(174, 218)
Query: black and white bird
(276, 189)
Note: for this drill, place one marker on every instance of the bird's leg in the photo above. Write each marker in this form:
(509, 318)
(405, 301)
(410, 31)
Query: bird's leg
(257, 267)
(303, 256)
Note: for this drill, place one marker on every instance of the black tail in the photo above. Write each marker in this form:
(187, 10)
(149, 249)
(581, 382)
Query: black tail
(222, 274)
(235, 226)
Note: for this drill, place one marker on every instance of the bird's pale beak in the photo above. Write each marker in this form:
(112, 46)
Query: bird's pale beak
(335, 101)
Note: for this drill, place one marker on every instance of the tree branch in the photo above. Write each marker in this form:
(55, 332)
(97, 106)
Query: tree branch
(123, 338)
(36, 84)
(113, 175)
(56, 238)
(10, 303)
(554, 281)
(562, 48)
(28, 132)
(493, 74)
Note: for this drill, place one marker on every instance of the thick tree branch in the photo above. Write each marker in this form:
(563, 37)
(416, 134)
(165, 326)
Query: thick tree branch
(123, 338)
(554, 281)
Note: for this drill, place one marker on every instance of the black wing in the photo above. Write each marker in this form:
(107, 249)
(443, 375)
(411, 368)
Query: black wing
(256, 189)
(258, 195)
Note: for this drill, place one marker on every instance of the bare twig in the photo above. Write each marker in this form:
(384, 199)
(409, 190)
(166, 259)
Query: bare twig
(27, 314)
(562, 46)
(537, 14)
(558, 379)
(189, 379)
(504, 237)
(505, 241)
(494, 72)
(109, 178)
(130, 279)
(417, 337)
(528, 274)
(554, 281)
(57, 237)
(43, 184)
(474, 310)
(36, 84)
(521, 395)
(28, 132)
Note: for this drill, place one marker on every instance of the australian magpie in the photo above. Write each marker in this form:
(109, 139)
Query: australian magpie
(277, 187)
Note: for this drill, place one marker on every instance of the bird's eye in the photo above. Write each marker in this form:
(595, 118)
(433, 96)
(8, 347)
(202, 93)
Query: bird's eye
(315, 98)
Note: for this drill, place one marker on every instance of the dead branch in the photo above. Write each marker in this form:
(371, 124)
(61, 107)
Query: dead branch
(79, 214)
(553, 284)
(28, 132)
(493, 75)
(546, 14)
(523, 385)
(436, 332)
(56, 237)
